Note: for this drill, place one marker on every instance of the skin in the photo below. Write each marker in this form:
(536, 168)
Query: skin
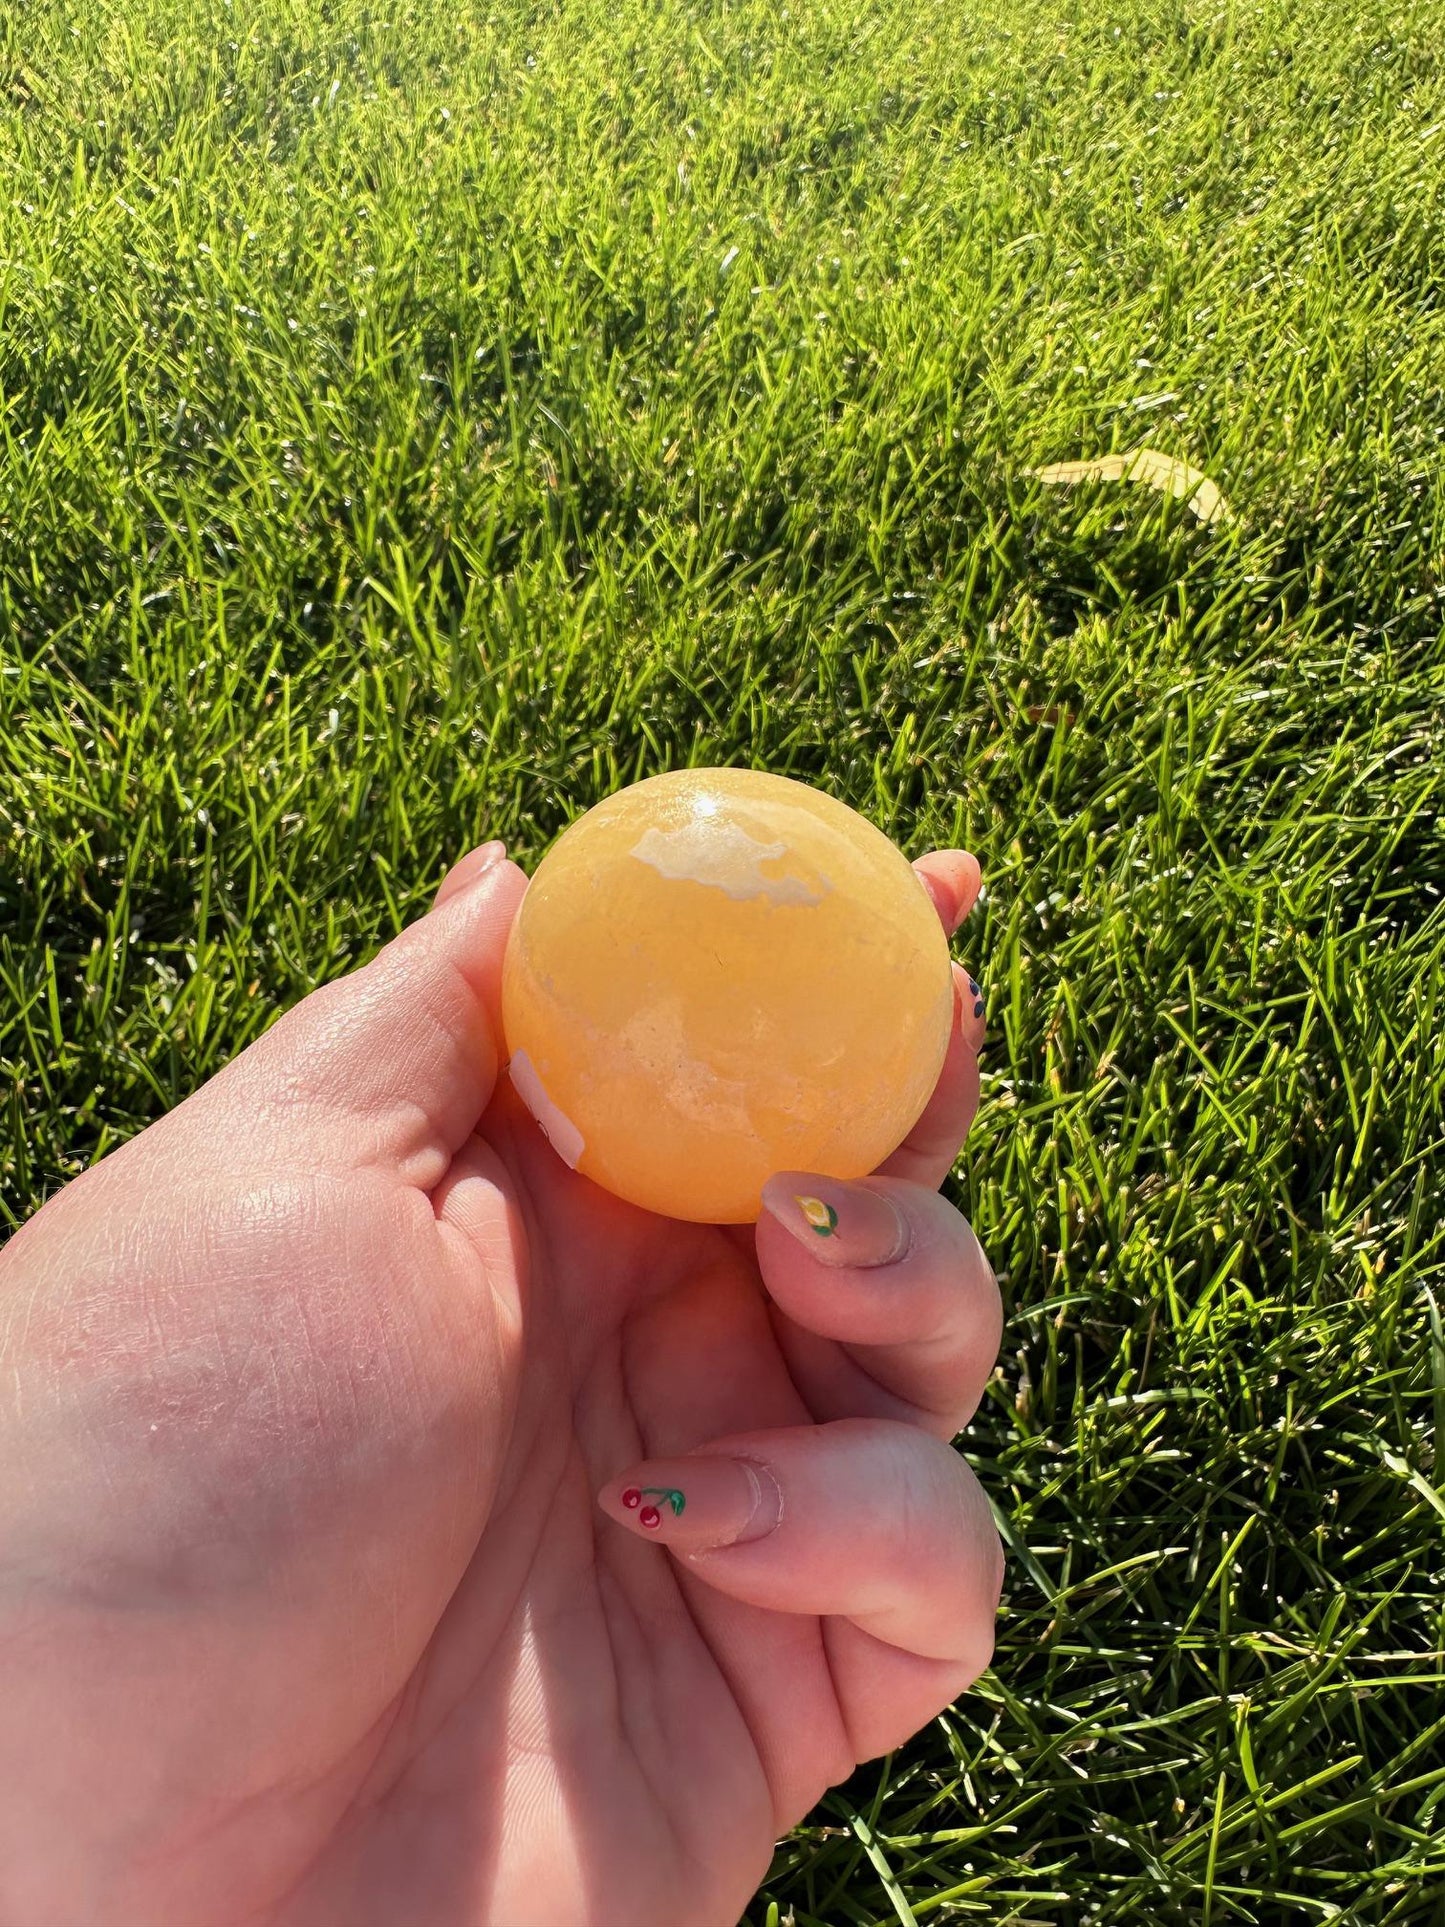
(319, 1604)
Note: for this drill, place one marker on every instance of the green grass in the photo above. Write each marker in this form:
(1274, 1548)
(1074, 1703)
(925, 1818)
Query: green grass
(420, 419)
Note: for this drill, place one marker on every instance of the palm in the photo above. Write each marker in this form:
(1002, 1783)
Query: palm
(667, 1731)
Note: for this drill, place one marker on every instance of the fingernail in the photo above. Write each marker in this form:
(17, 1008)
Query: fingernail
(695, 1504)
(960, 913)
(485, 857)
(971, 1009)
(847, 1225)
(469, 870)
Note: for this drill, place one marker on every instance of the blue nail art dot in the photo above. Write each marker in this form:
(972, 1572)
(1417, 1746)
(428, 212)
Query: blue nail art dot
(978, 1010)
(974, 988)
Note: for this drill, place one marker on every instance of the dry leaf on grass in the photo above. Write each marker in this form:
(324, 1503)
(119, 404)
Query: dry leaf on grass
(1164, 472)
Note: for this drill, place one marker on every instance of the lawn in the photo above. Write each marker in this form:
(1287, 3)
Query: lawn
(418, 419)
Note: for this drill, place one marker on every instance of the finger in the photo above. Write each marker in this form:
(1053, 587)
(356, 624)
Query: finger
(875, 1522)
(396, 1061)
(890, 1307)
(467, 869)
(929, 1152)
(953, 879)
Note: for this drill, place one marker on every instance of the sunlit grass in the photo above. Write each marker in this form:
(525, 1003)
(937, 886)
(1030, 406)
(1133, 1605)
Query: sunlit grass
(416, 421)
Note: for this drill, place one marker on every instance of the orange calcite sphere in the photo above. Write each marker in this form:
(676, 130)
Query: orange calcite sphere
(716, 975)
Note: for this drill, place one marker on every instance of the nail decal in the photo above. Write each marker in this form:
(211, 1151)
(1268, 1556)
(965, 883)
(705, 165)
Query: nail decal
(822, 1217)
(649, 1515)
(978, 998)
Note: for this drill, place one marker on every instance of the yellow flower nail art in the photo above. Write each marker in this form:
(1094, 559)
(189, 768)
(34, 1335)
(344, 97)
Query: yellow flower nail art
(822, 1217)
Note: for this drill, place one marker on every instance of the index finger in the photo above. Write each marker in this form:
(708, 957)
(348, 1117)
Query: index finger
(952, 879)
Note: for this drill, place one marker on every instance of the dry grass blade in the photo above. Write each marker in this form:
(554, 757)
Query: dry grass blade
(1152, 467)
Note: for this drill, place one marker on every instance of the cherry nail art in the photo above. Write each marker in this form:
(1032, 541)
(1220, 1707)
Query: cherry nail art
(649, 1515)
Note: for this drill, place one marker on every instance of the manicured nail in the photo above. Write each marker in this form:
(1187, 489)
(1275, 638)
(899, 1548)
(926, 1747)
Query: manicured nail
(847, 1225)
(697, 1503)
(970, 1008)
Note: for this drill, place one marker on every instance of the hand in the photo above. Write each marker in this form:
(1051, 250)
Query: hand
(324, 1596)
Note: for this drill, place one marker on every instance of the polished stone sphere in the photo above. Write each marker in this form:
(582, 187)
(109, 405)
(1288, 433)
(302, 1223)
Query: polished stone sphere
(718, 974)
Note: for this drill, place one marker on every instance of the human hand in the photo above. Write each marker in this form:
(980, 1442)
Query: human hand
(309, 1612)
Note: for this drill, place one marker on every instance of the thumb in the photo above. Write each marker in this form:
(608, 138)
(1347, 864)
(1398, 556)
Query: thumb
(396, 1062)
